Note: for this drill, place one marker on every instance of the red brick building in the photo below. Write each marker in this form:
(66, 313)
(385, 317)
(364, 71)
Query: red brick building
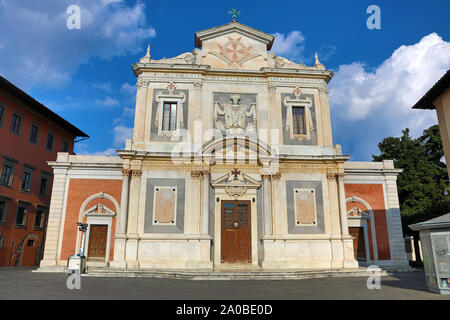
(30, 135)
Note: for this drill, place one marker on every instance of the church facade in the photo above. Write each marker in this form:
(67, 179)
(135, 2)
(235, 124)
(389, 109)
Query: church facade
(232, 164)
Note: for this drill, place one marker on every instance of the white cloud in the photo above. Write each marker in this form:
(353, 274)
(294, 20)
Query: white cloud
(108, 102)
(370, 105)
(128, 89)
(121, 133)
(290, 46)
(107, 86)
(81, 149)
(39, 50)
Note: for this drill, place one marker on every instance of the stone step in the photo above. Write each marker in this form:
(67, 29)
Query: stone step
(231, 274)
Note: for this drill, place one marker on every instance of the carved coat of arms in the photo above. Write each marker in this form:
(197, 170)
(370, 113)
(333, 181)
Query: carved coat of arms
(235, 114)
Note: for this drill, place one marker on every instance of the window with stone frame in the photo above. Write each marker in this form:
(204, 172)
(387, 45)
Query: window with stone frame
(65, 147)
(39, 218)
(26, 182)
(2, 114)
(2, 211)
(169, 120)
(50, 141)
(34, 133)
(16, 122)
(298, 120)
(21, 216)
(6, 176)
(43, 186)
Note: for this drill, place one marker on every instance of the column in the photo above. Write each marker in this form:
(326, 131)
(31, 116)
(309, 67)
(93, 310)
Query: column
(342, 204)
(55, 216)
(267, 205)
(141, 105)
(393, 220)
(131, 251)
(347, 239)
(120, 238)
(122, 225)
(205, 203)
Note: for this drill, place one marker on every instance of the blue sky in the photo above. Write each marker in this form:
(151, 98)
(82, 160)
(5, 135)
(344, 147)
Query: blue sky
(85, 75)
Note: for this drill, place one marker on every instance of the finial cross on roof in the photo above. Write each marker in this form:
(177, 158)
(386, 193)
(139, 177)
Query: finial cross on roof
(234, 13)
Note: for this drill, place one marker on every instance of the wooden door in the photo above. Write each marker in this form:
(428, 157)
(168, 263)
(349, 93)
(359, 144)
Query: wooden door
(97, 241)
(359, 245)
(236, 231)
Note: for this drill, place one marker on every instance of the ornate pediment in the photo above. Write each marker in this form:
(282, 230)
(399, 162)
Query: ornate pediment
(262, 37)
(236, 183)
(99, 210)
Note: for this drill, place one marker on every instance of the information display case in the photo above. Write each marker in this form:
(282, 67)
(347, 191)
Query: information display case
(435, 239)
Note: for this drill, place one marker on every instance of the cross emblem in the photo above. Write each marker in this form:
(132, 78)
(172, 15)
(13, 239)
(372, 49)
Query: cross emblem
(235, 172)
(234, 14)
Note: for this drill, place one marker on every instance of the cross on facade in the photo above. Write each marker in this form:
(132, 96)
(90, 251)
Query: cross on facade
(235, 172)
(234, 14)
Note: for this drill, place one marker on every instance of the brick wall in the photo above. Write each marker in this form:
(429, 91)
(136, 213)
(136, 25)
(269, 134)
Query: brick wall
(79, 191)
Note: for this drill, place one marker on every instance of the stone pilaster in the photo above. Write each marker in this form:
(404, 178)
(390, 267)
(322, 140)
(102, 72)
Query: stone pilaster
(141, 105)
(122, 225)
(121, 229)
(267, 204)
(50, 258)
(326, 118)
(394, 221)
(131, 254)
(342, 204)
(205, 203)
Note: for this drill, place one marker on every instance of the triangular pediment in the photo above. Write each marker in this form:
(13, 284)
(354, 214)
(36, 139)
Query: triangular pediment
(236, 180)
(230, 28)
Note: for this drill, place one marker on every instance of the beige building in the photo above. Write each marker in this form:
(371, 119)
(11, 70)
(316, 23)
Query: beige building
(438, 98)
(232, 164)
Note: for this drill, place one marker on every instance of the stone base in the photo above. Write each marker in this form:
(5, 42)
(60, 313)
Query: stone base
(118, 265)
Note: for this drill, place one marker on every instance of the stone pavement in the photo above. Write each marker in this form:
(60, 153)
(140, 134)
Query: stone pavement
(18, 283)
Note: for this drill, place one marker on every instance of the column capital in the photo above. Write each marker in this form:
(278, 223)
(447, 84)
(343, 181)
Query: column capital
(331, 175)
(196, 174)
(272, 88)
(126, 172)
(137, 173)
(206, 173)
(142, 83)
(323, 90)
(276, 176)
(198, 84)
(340, 175)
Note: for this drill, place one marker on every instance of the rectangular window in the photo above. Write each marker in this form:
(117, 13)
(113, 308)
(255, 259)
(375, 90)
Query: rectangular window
(43, 186)
(65, 147)
(2, 211)
(2, 114)
(1, 241)
(49, 144)
(6, 175)
(34, 133)
(298, 120)
(21, 216)
(16, 121)
(39, 219)
(169, 116)
(26, 182)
